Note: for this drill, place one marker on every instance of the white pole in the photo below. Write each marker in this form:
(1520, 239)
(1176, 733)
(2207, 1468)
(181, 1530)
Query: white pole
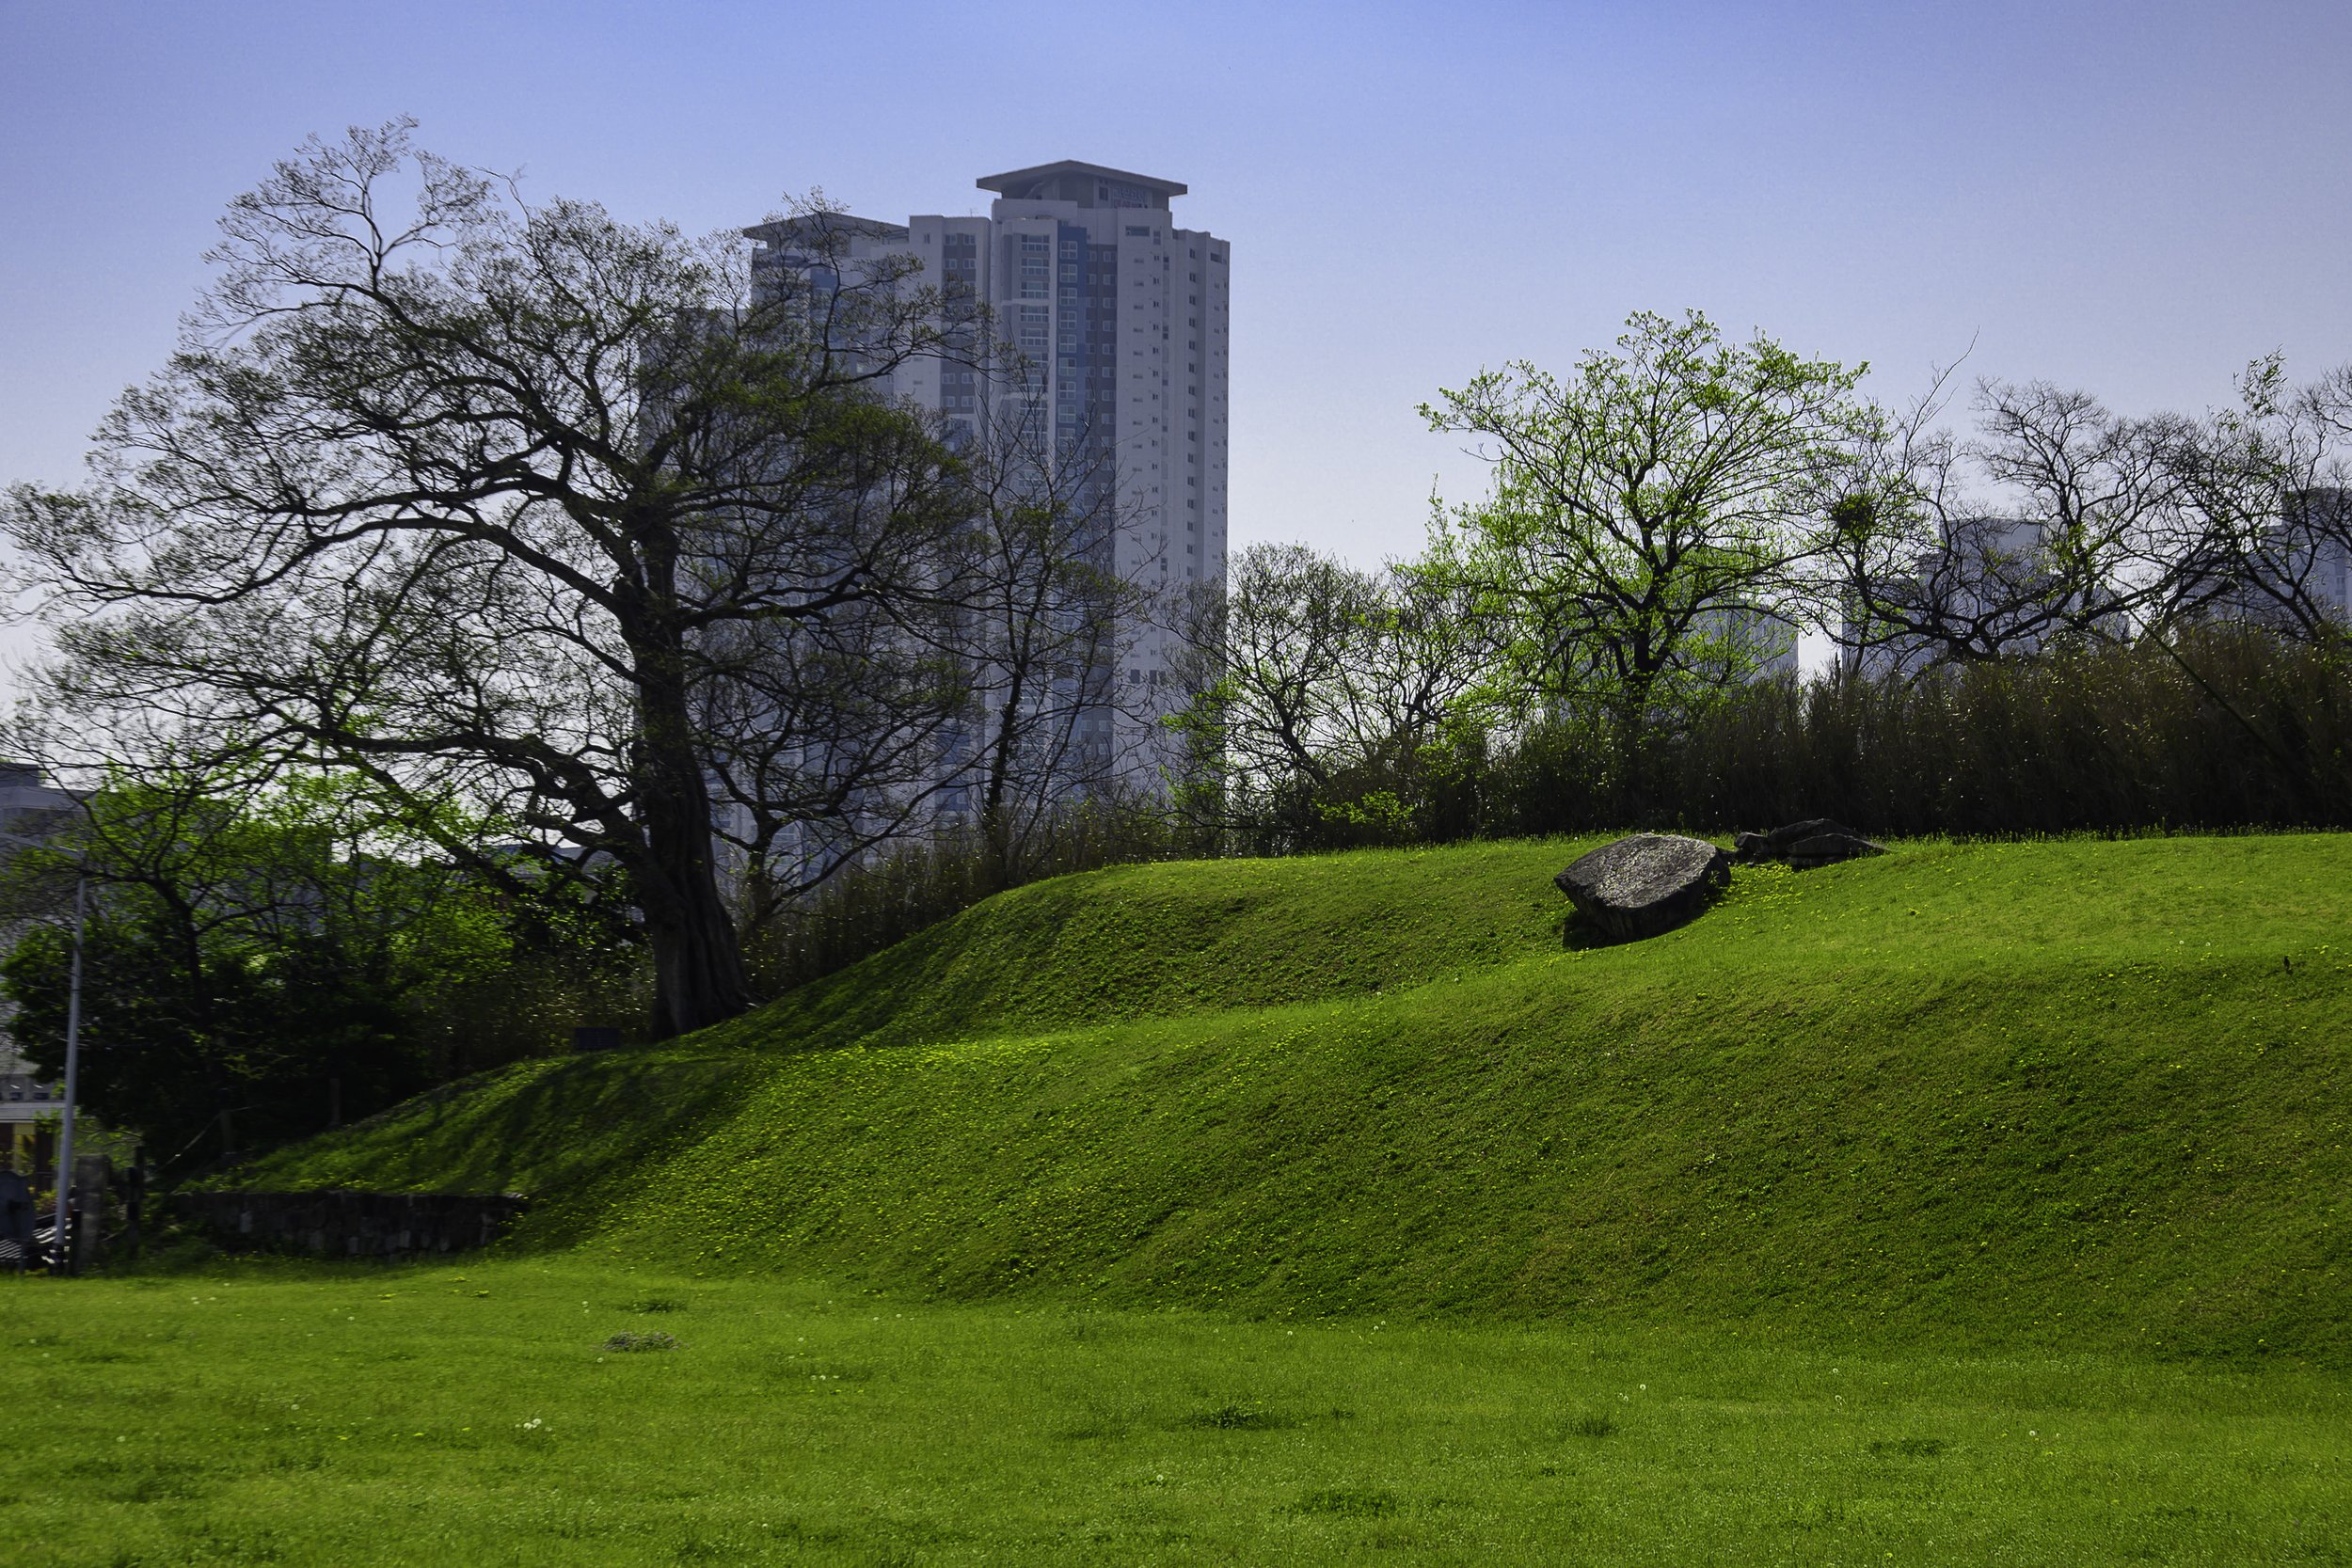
(72, 1074)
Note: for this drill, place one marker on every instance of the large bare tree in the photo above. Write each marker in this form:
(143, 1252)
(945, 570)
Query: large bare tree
(2036, 531)
(492, 501)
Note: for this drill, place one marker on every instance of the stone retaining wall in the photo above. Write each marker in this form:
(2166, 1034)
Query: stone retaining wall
(351, 1225)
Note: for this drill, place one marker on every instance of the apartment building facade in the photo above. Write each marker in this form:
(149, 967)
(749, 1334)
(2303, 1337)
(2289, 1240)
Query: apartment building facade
(1108, 325)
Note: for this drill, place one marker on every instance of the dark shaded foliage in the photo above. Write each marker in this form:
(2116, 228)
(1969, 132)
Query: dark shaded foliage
(2230, 728)
(225, 1056)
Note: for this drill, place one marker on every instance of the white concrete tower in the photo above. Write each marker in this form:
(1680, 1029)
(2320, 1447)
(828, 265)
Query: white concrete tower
(1135, 309)
(1125, 316)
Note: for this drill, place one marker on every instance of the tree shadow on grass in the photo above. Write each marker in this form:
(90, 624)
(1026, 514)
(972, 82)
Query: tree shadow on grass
(568, 1132)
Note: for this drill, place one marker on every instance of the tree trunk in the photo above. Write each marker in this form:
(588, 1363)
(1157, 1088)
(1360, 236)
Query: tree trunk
(995, 832)
(1629, 716)
(698, 969)
(699, 979)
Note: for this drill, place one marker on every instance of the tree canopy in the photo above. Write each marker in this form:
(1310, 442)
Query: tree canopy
(529, 508)
(261, 962)
(1657, 518)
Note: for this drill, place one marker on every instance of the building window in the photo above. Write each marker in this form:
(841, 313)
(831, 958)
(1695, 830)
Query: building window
(1031, 337)
(1036, 267)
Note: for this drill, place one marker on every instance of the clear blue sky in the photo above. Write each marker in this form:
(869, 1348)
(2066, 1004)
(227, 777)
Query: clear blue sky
(2132, 197)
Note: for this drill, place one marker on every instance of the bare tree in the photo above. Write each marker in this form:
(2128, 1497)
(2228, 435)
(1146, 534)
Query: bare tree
(1283, 655)
(1045, 622)
(826, 738)
(482, 497)
(2259, 527)
(2047, 545)
(1310, 681)
(2062, 522)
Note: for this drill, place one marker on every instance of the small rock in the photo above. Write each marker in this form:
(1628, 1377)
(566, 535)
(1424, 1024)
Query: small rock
(1816, 841)
(1645, 884)
(1828, 849)
(1812, 827)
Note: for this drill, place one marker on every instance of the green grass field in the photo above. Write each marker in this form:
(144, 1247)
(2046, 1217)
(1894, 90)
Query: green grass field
(468, 1414)
(1979, 1203)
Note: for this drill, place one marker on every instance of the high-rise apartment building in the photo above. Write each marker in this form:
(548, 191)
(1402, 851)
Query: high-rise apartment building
(1113, 321)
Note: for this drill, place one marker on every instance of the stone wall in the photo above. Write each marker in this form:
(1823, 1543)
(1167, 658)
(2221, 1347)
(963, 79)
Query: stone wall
(350, 1225)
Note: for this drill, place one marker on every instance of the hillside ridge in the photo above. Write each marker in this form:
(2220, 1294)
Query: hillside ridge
(2035, 1090)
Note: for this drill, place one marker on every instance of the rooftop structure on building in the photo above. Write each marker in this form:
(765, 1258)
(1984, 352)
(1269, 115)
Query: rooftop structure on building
(1084, 185)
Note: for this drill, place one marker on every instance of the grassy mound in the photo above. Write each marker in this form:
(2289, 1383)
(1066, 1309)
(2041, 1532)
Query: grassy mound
(2075, 1091)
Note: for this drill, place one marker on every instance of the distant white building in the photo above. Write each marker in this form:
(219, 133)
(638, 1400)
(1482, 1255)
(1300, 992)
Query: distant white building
(2294, 572)
(1117, 320)
(29, 808)
(1993, 587)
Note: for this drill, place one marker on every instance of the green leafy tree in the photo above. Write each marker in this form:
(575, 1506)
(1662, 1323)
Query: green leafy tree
(259, 962)
(1658, 521)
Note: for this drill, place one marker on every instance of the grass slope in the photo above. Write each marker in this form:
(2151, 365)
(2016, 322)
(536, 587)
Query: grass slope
(2090, 1092)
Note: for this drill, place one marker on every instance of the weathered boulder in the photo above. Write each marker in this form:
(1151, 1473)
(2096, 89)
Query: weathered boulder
(1816, 841)
(1828, 849)
(1645, 884)
(1812, 827)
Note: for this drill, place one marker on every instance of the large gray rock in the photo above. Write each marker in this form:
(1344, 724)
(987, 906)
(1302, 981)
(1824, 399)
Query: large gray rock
(1650, 882)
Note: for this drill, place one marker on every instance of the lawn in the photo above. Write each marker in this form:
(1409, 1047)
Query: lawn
(469, 1413)
(1977, 1203)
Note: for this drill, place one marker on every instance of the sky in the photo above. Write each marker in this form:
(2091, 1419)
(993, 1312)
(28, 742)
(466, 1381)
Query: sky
(2131, 198)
